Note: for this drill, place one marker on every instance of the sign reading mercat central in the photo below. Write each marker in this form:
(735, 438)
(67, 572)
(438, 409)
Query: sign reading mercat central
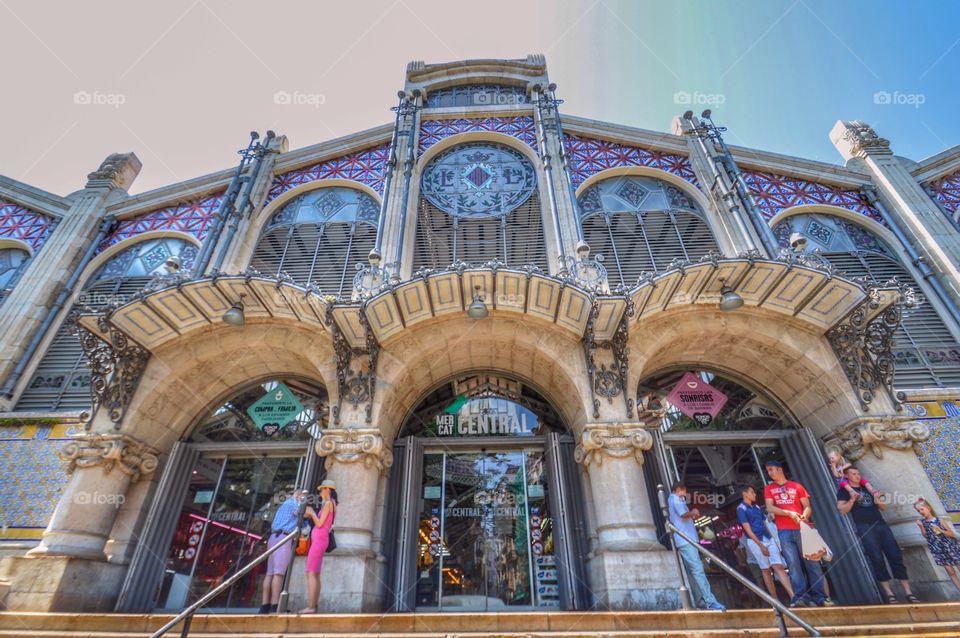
(497, 424)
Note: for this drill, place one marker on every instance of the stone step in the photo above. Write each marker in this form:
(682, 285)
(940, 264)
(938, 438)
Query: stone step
(928, 630)
(885, 620)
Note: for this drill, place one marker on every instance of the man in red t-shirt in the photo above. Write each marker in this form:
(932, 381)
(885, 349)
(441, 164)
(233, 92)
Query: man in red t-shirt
(789, 503)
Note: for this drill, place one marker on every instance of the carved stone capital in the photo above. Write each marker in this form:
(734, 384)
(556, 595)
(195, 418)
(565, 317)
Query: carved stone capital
(895, 433)
(614, 440)
(354, 446)
(111, 452)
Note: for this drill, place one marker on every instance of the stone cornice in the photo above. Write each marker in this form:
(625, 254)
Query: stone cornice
(602, 441)
(33, 198)
(361, 445)
(300, 157)
(633, 136)
(945, 162)
(109, 451)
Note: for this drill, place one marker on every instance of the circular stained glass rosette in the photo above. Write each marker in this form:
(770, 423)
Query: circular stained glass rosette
(478, 180)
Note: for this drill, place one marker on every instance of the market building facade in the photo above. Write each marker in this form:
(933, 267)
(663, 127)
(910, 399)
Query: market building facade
(497, 328)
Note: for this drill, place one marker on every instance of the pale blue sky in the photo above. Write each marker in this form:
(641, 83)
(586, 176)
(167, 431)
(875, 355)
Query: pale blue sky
(181, 82)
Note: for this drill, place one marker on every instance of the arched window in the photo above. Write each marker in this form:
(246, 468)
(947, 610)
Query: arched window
(641, 224)
(232, 421)
(926, 352)
(319, 238)
(13, 261)
(62, 380)
(478, 202)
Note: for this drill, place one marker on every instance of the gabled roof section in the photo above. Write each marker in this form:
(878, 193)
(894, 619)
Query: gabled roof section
(946, 162)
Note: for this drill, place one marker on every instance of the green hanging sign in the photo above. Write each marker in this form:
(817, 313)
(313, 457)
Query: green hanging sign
(275, 409)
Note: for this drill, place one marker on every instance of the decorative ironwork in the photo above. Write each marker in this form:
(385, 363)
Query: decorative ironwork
(773, 193)
(587, 156)
(17, 222)
(864, 344)
(368, 167)
(109, 451)
(356, 368)
(609, 379)
(521, 127)
(193, 217)
(116, 367)
(477, 95)
(478, 180)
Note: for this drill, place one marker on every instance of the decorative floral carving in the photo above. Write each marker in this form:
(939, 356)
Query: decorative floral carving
(110, 172)
(109, 451)
(892, 432)
(354, 446)
(616, 440)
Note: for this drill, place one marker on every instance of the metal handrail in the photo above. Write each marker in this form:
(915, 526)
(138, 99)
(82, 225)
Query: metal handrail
(187, 614)
(779, 608)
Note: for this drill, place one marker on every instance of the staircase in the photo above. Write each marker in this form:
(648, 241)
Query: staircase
(934, 620)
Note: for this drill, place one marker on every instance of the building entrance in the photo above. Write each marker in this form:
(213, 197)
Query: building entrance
(486, 538)
(488, 503)
(715, 434)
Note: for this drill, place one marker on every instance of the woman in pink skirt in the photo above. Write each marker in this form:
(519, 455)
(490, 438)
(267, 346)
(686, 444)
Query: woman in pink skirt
(319, 539)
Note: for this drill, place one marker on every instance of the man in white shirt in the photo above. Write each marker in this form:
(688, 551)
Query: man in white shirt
(683, 519)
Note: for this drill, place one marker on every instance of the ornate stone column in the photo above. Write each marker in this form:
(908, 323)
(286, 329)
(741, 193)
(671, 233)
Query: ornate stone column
(629, 568)
(101, 468)
(357, 459)
(882, 448)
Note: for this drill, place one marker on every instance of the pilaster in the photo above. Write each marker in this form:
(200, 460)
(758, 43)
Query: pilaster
(727, 216)
(248, 227)
(925, 225)
(24, 311)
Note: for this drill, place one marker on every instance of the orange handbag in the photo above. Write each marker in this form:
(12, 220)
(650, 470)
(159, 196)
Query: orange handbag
(303, 544)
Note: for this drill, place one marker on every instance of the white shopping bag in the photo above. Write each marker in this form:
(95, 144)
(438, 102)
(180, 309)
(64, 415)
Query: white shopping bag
(811, 544)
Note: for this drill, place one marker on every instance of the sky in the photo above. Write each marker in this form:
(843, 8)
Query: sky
(182, 82)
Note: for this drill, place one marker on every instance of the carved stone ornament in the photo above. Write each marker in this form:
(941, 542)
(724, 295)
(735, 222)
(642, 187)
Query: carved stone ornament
(864, 140)
(893, 433)
(615, 440)
(354, 446)
(111, 171)
(116, 368)
(111, 452)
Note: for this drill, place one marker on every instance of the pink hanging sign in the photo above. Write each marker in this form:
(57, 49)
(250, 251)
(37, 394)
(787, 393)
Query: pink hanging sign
(697, 399)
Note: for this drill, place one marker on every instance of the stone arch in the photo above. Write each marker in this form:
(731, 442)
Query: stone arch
(409, 243)
(783, 357)
(191, 375)
(9, 242)
(433, 351)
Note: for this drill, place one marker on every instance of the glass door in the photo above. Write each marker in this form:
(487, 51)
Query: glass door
(224, 522)
(486, 534)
